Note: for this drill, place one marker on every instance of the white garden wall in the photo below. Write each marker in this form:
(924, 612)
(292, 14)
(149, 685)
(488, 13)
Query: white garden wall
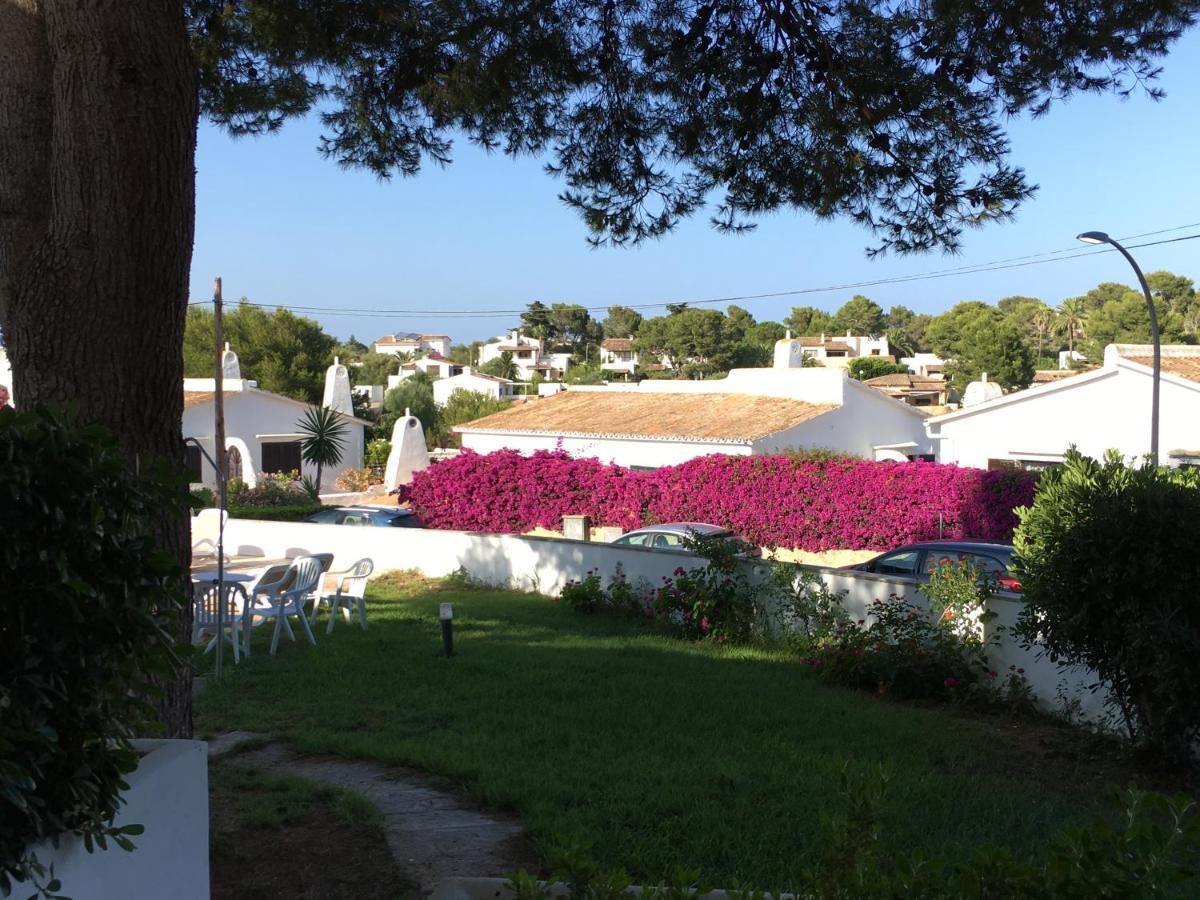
(168, 795)
(546, 564)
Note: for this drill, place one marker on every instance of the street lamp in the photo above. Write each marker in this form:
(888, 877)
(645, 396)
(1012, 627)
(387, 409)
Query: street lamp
(1099, 237)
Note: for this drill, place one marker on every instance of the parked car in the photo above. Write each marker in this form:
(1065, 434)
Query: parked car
(919, 560)
(379, 516)
(671, 536)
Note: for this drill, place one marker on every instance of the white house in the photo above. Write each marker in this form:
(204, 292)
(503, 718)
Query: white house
(467, 380)
(261, 433)
(751, 411)
(617, 355)
(836, 351)
(927, 365)
(434, 365)
(1106, 408)
(408, 342)
(529, 354)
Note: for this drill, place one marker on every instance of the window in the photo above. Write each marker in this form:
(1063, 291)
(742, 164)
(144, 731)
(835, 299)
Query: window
(280, 456)
(668, 541)
(633, 540)
(192, 464)
(904, 563)
(875, 352)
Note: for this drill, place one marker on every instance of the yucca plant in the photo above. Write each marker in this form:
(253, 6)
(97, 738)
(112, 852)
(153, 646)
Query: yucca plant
(323, 438)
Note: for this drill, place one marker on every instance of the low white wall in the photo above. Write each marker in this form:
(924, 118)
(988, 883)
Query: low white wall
(546, 564)
(168, 794)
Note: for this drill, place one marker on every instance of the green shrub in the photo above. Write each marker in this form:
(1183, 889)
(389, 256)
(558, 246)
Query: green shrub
(201, 498)
(584, 595)
(1107, 558)
(275, 489)
(298, 510)
(89, 608)
(908, 652)
(377, 452)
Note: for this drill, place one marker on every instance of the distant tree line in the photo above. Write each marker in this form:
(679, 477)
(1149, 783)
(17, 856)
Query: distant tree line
(288, 354)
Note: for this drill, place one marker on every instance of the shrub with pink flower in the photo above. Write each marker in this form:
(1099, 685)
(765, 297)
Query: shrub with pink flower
(773, 501)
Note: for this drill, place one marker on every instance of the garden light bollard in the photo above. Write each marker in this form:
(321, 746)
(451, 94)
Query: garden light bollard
(446, 614)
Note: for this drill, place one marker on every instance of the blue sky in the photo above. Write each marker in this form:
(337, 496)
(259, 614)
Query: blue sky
(282, 225)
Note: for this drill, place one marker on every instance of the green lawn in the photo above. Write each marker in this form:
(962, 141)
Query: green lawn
(657, 753)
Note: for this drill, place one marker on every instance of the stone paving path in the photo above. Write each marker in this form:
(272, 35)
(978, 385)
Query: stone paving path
(433, 831)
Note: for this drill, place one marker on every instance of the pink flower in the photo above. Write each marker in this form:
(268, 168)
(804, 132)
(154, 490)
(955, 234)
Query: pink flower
(951, 682)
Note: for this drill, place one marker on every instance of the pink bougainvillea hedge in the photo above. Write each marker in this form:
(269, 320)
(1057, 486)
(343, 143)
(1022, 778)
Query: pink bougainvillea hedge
(775, 501)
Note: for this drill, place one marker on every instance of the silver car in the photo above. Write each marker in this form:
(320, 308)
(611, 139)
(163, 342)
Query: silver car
(671, 536)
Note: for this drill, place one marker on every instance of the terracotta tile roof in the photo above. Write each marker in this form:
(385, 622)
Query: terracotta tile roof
(617, 343)
(728, 417)
(1046, 376)
(195, 398)
(1183, 366)
(902, 380)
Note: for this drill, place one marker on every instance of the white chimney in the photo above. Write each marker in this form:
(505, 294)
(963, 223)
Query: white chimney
(230, 368)
(337, 389)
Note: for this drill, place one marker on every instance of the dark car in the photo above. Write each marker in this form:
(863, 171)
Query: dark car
(379, 516)
(919, 560)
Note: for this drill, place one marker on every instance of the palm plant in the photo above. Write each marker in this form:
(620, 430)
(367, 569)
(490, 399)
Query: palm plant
(1043, 322)
(1071, 318)
(323, 438)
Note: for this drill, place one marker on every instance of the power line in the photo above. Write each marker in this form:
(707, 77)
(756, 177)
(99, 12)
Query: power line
(1016, 262)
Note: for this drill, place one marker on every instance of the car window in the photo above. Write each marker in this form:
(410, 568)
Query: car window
(633, 540)
(324, 517)
(404, 522)
(989, 566)
(935, 559)
(904, 563)
(665, 541)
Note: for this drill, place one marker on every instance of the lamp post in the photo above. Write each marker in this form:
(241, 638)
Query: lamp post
(1099, 237)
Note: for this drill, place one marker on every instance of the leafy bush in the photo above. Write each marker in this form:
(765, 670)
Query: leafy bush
(357, 480)
(905, 651)
(584, 595)
(772, 501)
(300, 509)
(865, 367)
(275, 489)
(1107, 557)
(716, 601)
(90, 603)
(201, 498)
(377, 452)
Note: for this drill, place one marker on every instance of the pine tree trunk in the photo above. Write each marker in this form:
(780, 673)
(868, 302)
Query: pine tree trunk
(97, 181)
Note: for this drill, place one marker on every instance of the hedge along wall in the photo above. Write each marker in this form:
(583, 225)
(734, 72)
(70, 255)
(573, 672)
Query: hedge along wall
(774, 501)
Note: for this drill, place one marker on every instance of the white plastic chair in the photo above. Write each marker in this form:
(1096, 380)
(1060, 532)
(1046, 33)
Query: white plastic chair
(350, 586)
(206, 527)
(205, 610)
(270, 581)
(287, 597)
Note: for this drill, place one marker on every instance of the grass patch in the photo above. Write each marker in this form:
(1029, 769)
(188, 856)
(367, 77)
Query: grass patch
(260, 799)
(656, 753)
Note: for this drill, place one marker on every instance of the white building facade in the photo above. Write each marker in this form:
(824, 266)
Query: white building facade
(618, 356)
(1107, 408)
(836, 351)
(261, 428)
(468, 380)
(529, 354)
(408, 342)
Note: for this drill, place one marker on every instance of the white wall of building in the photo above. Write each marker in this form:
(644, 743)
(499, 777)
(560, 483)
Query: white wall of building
(546, 564)
(257, 417)
(866, 421)
(1096, 411)
(630, 451)
(469, 381)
